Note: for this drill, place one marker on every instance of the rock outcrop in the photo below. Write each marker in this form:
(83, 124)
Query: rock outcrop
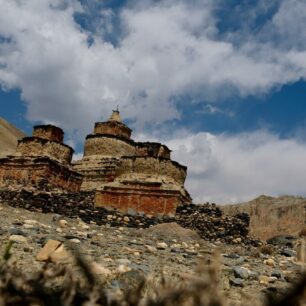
(9, 136)
(271, 216)
(41, 161)
(129, 175)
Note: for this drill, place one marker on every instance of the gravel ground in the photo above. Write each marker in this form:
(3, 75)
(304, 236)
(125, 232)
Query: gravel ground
(122, 255)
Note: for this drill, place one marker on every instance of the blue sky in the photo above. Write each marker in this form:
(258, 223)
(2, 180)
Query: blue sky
(216, 80)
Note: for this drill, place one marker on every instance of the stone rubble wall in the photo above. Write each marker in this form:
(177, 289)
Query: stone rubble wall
(34, 146)
(206, 219)
(271, 216)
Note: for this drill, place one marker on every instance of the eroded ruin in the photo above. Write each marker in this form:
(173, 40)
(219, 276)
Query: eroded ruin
(41, 161)
(124, 174)
(128, 175)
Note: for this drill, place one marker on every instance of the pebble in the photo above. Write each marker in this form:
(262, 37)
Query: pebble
(161, 245)
(270, 262)
(29, 226)
(17, 238)
(63, 223)
(123, 269)
(75, 240)
(263, 279)
(277, 274)
(85, 227)
(185, 245)
(151, 249)
(236, 282)
(31, 222)
(126, 219)
(241, 272)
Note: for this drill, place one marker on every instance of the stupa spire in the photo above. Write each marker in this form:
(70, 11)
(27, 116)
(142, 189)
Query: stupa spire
(115, 116)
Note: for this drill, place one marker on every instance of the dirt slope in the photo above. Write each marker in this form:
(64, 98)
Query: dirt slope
(9, 135)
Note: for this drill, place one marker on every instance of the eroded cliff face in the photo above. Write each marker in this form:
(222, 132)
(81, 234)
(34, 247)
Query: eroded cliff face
(270, 216)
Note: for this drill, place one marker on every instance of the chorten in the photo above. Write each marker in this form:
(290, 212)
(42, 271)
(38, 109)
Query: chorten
(41, 161)
(129, 175)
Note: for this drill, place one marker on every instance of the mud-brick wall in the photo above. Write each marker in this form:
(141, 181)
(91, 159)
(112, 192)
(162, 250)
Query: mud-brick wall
(150, 202)
(270, 216)
(154, 166)
(34, 146)
(41, 173)
(49, 132)
(107, 146)
(152, 149)
(113, 128)
(96, 171)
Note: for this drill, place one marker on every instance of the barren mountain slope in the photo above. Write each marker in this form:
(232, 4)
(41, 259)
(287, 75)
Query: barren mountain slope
(271, 216)
(9, 136)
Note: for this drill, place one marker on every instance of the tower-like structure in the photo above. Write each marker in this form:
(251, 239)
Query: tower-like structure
(129, 175)
(42, 161)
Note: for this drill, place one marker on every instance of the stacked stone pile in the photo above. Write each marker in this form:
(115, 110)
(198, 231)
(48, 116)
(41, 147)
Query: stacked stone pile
(207, 219)
(210, 223)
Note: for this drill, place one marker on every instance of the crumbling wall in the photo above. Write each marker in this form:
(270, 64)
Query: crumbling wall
(271, 216)
(139, 198)
(34, 146)
(104, 145)
(96, 170)
(152, 149)
(154, 166)
(113, 128)
(38, 172)
(49, 132)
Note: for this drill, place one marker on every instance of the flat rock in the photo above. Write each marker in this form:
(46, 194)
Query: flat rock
(45, 253)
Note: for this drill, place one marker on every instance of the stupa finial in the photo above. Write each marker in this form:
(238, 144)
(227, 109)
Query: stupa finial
(115, 116)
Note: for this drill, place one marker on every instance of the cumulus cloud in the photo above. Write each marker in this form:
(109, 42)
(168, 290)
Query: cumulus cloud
(72, 77)
(230, 169)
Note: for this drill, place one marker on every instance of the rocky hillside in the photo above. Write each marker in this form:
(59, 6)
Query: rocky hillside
(272, 216)
(9, 135)
(120, 256)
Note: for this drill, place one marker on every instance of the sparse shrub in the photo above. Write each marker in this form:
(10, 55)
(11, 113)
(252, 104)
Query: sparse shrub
(267, 249)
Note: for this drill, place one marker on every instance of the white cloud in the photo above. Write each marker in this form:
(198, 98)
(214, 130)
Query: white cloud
(164, 53)
(229, 169)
